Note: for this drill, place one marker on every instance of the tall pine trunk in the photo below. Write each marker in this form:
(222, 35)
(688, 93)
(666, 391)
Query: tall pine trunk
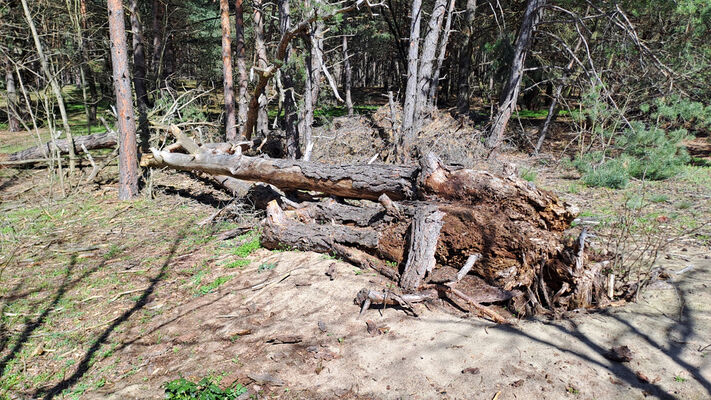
(465, 60)
(128, 160)
(426, 68)
(227, 79)
(241, 63)
(262, 62)
(509, 94)
(434, 84)
(158, 46)
(347, 76)
(291, 117)
(139, 75)
(407, 129)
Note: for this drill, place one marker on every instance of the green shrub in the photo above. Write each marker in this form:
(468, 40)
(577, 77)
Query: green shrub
(206, 389)
(612, 174)
(642, 153)
(529, 174)
(656, 154)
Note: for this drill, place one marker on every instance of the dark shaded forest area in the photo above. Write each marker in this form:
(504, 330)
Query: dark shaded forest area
(308, 199)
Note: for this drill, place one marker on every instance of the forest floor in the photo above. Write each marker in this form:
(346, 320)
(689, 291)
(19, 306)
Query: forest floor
(101, 298)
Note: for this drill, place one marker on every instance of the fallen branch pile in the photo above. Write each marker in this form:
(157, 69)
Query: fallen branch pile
(437, 231)
(418, 225)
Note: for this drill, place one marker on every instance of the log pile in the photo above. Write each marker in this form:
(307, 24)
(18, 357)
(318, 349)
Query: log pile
(436, 231)
(420, 226)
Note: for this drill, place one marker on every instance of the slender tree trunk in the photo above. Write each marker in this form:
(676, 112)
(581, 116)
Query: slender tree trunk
(407, 129)
(434, 84)
(13, 121)
(53, 83)
(347, 76)
(241, 63)
(307, 114)
(291, 118)
(465, 59)
(158, 47)
(552, 114)
(261, 51)
(228, 83)
(509, 95)
(139, 75)
(316, 55)
(128, 160)
(425, 71)
(89, 77)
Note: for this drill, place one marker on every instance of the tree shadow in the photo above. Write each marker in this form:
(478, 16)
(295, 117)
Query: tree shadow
(201, 197)
(86, 362)
(30, 326)
(623, 371)
(684, 327)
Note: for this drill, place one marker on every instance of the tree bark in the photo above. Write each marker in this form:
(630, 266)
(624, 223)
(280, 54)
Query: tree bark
(262, 62)
(347, 76)
(426, 69)
(465, 59)
(307, 113)
(13, 121)
(89, 77)
(241, 63)
(407, 128)
(156, 64)
(424, 235)
(128, 160)
(552, 114)
(227, 79)
(53, 83)
(509, 94)
(434, 84)
(139, 75)
(291, 117)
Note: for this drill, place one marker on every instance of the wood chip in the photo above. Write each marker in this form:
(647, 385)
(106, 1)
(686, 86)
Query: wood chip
(285, 339)
(619, 354)
(473, 371)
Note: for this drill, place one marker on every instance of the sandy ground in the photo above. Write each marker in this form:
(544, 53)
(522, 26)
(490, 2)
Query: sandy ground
(438, 355)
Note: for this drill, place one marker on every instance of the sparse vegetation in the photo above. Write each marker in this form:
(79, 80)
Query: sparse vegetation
(205, 389)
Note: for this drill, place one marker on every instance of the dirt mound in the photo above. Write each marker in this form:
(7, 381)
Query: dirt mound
(359, 138)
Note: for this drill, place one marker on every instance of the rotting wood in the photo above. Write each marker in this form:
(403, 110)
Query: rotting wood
(424, 234)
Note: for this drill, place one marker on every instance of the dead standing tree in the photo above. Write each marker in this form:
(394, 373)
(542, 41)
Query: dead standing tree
(418, 217)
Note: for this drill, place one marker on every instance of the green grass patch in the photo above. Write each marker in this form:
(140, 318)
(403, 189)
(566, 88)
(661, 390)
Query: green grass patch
(238, 263)
(251, 244)
(206, 389)
(529, 174)
(212, 286)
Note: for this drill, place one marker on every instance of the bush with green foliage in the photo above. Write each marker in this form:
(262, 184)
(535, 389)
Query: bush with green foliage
(642, 151)
(205, 389)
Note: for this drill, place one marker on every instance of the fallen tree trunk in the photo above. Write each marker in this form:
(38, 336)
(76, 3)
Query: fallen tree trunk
(428, 221)
(96, 141)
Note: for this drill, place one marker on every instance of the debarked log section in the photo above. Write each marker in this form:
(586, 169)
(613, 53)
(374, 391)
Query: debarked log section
(418, 217)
